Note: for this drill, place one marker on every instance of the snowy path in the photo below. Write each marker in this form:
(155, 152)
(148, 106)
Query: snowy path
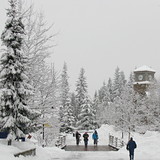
(74, 156)
(100, 156)
(145, 145)
(91, 156)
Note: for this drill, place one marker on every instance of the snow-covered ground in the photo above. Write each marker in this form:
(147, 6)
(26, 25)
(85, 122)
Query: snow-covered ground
(148, 148)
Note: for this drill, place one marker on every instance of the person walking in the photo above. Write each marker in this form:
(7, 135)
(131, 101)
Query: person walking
(85, 136)
(77, 135)
(131, 145)
(95, 138)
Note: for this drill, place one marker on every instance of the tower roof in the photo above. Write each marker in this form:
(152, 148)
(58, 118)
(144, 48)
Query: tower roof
(144, 68)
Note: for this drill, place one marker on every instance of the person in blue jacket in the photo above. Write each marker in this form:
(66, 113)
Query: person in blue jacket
(131, 145)
(95, 138)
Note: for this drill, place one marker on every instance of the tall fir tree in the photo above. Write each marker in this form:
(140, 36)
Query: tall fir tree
(122, 81)
(95, 104)
(116, 92)
(110, 89)
(81, 92)
(15, 115)
(119, 83)
(103, 93)
(87, 116)
(69, 119)
(74, 105)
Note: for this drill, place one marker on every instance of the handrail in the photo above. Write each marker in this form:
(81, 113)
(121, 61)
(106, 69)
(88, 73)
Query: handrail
(30, 152)
(61, 141)
(115, 142)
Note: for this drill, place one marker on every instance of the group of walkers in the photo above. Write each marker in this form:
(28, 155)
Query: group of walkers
(85, 138)
(131, 145)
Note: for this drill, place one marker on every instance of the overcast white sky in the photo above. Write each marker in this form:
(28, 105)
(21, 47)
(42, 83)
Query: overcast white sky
(100, 35)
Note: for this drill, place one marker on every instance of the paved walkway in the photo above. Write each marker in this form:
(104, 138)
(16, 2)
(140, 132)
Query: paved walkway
(89, 148)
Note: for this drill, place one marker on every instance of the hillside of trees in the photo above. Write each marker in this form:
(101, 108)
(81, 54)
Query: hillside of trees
(34, 97)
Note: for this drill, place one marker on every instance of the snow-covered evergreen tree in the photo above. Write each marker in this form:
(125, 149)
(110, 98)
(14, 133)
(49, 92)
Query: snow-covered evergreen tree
(81, 92)
(116, 92)
(69, 119)
(110, 89)
(15, 115)
(119, 82)
(122, 81)
(95, 105)
(103, 93)
(86, 117)
(74, 105)
(104, 100)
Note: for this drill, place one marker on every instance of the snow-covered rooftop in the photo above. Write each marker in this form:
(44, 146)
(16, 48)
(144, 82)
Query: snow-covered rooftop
(144, 68)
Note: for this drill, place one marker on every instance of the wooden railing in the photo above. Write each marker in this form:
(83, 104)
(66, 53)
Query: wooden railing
(31, 152)
(115, 142)
(61, 141)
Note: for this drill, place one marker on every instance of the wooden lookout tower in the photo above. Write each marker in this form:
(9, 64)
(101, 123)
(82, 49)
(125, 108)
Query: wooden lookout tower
(144, 76)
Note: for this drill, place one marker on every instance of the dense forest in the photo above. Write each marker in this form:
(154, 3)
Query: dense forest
(35, 97)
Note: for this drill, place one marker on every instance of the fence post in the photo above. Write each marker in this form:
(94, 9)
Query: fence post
(112, 140)
(116, 142)
(64, 140)
(60, 140)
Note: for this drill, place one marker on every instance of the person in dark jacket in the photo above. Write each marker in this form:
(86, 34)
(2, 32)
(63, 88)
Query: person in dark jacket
(131, 145)
(85, 136)
(95, 137)
(77, 135)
